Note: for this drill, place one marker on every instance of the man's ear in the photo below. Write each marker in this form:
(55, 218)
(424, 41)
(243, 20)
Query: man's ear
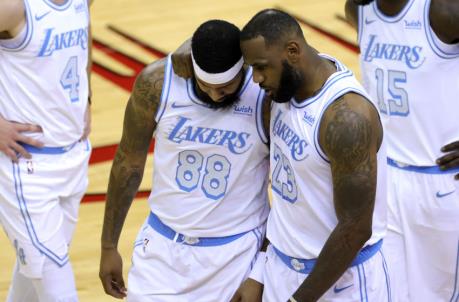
(293, 51)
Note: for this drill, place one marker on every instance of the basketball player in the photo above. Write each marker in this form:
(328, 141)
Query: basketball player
(328, 219)
(410, 65)
(43, 88)
(209, 201)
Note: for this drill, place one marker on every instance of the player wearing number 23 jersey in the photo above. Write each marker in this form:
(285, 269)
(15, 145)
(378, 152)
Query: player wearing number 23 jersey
(328, 172)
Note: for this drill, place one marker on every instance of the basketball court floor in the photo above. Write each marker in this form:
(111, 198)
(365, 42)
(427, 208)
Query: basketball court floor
(127, 36)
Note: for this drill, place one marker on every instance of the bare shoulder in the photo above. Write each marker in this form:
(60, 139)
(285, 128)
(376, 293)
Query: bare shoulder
(444, 19)
(351, 11)
(350, 128)
(139, 122)
(149, 84)
(11, 16)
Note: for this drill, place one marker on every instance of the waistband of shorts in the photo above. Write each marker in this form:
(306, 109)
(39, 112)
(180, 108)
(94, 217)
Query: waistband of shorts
(420, 169)
(49, 150)
(305, 266)
(169, 233)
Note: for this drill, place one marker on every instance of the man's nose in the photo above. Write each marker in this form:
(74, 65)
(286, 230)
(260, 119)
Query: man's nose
(216, 94)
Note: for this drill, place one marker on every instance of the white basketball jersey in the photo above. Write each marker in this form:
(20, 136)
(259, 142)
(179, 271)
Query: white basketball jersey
(302, 215)
(210, 166)
(415, 79)
(43, 78)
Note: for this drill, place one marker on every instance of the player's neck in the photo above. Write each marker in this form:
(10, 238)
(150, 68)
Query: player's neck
(391, 7)
(316, 77)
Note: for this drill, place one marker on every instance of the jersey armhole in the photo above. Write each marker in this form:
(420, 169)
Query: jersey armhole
(166, 88)
(23, 38)
(259, 118)
(440, 48)
(359, 24)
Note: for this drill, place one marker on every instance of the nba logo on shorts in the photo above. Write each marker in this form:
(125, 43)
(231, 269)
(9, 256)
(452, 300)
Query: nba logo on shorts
(145, 243)
(29, 167)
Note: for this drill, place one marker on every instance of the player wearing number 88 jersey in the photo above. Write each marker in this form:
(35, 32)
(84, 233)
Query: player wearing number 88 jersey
(209, 200)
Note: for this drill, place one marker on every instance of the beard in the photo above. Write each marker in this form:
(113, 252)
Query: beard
(290, 81)
(227, 101)
(362, 2)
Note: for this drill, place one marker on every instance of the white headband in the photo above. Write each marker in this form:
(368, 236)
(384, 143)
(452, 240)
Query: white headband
(217, 78)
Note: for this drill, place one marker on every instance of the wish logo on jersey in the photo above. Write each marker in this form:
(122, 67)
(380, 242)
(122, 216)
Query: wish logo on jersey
(296, 145)
(80, 7)
(55, 41)
(234, 141)
(244, 110)
(383, 51)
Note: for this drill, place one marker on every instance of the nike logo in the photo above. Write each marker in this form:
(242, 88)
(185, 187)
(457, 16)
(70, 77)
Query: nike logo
(338, 290)
(39, 17)
(174, 105)
(369, 21)
(440, 195)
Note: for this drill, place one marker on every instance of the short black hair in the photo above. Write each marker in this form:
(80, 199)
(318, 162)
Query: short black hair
(272, 25)
(215, 46)
(362, 2)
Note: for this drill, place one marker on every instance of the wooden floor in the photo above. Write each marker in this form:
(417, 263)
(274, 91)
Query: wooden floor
(128, 35)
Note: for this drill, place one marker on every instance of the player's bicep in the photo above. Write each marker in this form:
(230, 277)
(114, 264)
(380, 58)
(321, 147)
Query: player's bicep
(139, 117)
(349, 135)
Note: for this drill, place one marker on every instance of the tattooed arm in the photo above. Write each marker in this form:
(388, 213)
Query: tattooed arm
(127, 171)
(350, 134)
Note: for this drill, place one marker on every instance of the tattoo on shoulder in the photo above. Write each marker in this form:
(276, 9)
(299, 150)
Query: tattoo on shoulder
(350, 143)
(348, 135)
(139, 118)
(148, 86)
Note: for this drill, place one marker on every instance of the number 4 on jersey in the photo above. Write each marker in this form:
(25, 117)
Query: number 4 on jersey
(70, 79)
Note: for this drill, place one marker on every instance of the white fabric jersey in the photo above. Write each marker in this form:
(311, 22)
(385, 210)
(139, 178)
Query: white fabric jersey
(54, 41)
(211, 166)
(302, 215)
(415, 78)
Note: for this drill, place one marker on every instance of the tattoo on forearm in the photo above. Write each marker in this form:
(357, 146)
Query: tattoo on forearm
(128, 166)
